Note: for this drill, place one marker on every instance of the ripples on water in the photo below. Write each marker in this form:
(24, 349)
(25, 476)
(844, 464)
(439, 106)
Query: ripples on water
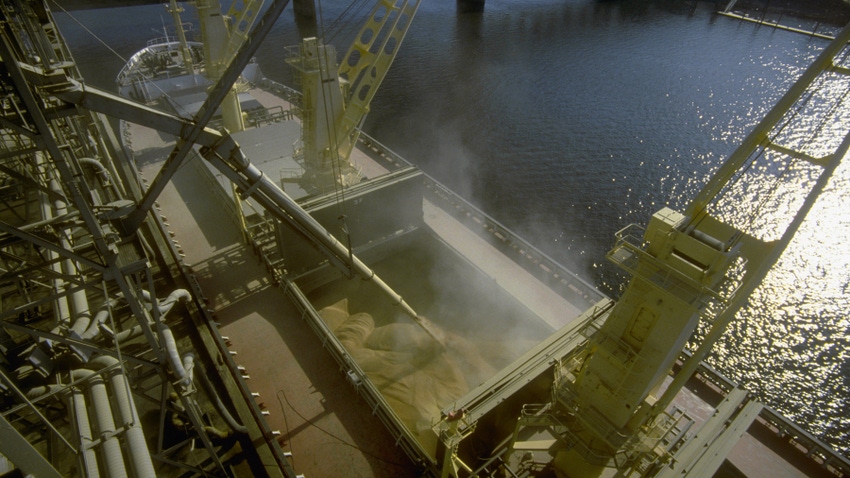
(790, 342)
(567, 120)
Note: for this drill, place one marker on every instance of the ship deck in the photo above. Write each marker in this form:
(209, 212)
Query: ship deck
(324, 424)
(307, 400)
(317, 411)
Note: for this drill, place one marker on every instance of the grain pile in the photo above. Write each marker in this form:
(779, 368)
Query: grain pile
(412, 371)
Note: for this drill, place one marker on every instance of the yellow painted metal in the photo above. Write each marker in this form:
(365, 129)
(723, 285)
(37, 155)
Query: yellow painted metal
(451, 436)
(241, 15)
(367, 61)
(685, 268)
(322, 110)
(175, 10)
(336, 98)
(675, 273)
(220, 45)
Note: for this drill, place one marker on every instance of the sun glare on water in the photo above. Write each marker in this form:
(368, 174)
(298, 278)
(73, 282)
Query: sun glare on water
(800, 310)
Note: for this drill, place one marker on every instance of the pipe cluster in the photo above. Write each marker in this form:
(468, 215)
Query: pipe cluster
(99, 417)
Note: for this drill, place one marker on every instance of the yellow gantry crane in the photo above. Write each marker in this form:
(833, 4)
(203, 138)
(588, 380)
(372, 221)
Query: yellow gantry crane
(611, 396)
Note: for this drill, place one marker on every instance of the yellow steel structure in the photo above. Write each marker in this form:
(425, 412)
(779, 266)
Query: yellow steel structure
(609, 408)
(336, 98)
(221, 42)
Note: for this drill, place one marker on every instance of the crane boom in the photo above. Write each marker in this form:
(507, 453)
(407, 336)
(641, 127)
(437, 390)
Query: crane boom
(242, 15)
(367, 62)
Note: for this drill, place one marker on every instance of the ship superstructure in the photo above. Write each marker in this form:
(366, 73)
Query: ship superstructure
(158, 284)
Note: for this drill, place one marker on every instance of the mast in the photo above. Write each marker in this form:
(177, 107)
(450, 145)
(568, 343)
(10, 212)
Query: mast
(175, 10)
(215, 38)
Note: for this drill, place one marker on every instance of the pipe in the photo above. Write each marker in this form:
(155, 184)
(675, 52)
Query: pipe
(164, 307)
(63, 312)
(136, 444)
(36, 392)
(146, 295)
(79, 301)
(94, 328)
(23, 372)
(189, 366)
(166, 304)
(80, 420)
(106, 426)
(80, 304)
(170, 345)
(112, 457)
(102, 414)
(128, 334)
(102, 170)
(219, 405)
(182, 295)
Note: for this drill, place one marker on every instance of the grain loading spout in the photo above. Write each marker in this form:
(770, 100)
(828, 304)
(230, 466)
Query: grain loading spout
(229, 159)
(225, 155)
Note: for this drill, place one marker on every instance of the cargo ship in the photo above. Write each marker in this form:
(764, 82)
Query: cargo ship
(269, 291)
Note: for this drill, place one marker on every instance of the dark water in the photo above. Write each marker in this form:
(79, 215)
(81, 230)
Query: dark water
(567, 120)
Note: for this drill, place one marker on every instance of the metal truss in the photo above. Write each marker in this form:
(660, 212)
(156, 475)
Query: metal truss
(82, 281)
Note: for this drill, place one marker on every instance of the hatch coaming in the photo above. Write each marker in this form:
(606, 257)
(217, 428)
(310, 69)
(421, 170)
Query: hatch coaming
(484, 324)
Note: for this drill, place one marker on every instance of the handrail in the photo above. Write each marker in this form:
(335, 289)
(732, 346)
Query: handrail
(635, 246)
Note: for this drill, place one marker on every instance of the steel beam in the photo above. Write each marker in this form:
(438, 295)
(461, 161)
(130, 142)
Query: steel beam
(51, 246)
(760, 133)
(23, 454)
(101, 101)
(188, 139)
